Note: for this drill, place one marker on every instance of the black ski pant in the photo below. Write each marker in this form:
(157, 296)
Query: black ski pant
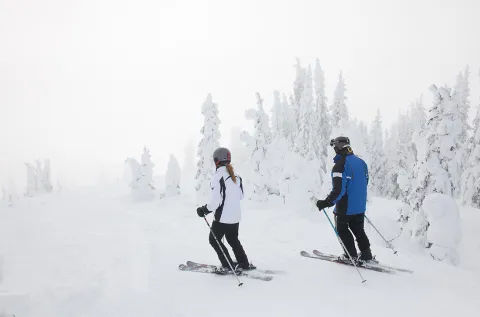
(356, 224)
(230, 231)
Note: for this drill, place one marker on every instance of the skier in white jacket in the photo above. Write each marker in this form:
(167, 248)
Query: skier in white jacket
(225, 197)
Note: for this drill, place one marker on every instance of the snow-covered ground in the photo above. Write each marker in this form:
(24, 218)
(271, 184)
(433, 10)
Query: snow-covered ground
(93, 252)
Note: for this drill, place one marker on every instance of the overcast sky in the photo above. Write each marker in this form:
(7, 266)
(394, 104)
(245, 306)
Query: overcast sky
(90, 82)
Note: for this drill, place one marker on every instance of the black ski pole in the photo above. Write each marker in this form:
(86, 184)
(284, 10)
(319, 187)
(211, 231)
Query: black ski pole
(224, 255)
(389, 245)
(343, 245)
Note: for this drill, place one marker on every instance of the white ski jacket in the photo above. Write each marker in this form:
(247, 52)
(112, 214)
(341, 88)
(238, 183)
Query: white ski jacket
(225, 197)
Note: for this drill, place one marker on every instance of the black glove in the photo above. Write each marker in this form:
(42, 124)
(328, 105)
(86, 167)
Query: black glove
(322, 204)
(202, 211)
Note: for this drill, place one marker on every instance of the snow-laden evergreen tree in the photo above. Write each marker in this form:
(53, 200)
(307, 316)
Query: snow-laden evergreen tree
(471, 176)
(259, 159)
(208, 144)
(289, 121)
(277, 116)
(142, 183)
(39, 176)
(433, 172)
(172, 178)
(392, 163)
(418, 123)
(298, 86)
(39, 179)
(461, 95)
(377, 153)
(365, 141)
(322, 127)
(147, 169)
(404, 158)
(32, 187)
(293, 123)
(302, 105)
(305, 143)
(47, 177)
(339, 110)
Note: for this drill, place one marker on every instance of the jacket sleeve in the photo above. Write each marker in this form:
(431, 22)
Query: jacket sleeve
(242, 194)
(339, 180)
(366, 173)
(215, 195)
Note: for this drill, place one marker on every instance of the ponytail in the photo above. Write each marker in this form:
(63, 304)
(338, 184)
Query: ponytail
(231, 173)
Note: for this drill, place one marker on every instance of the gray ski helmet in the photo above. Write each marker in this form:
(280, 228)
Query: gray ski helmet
(340, 143)
(222, 156)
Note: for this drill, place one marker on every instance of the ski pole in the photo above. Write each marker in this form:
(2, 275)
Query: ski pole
(343, 245)
(220, 246)
(389, 245)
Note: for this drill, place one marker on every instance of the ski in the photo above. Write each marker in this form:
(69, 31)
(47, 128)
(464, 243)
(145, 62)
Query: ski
(196, 264)
(200, 269)
(337, 260)
(370, 263)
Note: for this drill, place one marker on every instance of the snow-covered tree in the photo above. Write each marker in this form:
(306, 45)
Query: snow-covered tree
(364, 139)
(305, 142)
(47, 177)
(471, 176)
(39, 175)
(39, 178)
(322, 127)
(288, 118)
(418, 123)
(208, 144)
(277, 115)
(392, 163)
(262, 140)
(172, 178)
(32, 187)
(298, 86)
(303, 110)
(434, 171)
(404, 157)
(142, 176)
(378, 159)
(460, 96)
(339, 110)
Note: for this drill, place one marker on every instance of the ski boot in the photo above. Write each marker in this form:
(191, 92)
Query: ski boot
(345, 258)
(245, 266)
(366, 257)
(222, 270)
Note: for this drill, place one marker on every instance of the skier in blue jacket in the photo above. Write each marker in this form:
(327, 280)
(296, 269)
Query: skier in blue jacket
(349, 195)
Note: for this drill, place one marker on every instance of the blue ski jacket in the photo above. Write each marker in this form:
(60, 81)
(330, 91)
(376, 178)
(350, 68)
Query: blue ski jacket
(350, 182)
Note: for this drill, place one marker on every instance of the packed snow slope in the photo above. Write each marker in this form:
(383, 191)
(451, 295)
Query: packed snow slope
(94, 252)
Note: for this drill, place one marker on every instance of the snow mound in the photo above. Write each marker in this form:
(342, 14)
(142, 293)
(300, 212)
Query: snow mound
(444, 233)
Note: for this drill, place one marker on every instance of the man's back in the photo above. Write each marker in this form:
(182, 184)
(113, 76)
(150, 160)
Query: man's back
(356, 171)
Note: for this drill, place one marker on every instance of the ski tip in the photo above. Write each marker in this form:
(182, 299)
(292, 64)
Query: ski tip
(240, 285)
(304, 253)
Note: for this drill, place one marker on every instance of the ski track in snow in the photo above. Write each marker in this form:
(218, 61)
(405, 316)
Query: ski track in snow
(90, 253)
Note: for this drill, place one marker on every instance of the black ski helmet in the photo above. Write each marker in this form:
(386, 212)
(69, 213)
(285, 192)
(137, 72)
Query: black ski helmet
(340, 143)
(222, 156)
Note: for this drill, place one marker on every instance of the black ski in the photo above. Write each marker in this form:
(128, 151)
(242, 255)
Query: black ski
(370, 263)
(196, 264)
(209, 270)
(337, 260)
